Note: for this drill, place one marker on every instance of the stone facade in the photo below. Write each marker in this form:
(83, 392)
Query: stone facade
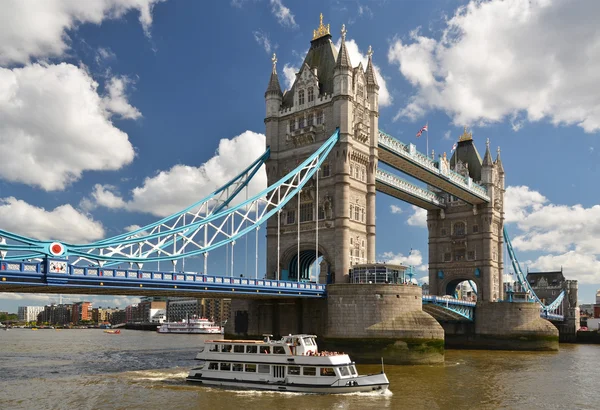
(328, 93)
(466, 241)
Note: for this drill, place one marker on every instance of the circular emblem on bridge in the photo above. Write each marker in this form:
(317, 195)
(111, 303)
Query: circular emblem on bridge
(56, 249)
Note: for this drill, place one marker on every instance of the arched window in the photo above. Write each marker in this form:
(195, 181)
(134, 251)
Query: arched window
(311, 94)
(301, 97)
(320, 117)
(459, 229)
(292, 125)
(310, 120)
(351, 209)
(356, 211)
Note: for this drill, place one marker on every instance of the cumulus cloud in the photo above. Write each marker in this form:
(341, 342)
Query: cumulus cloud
(283, 14)
(519, 201)
(56, 126)
(115, 100)
(418, 217)
(289, 75)
(182, 185)
(39, 29)
(395, 209)
(356, 56)
(63, 223)
(414, 258)
(507, 59)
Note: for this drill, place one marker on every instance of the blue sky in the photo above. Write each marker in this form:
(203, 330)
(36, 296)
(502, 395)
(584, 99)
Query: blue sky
(113, 113)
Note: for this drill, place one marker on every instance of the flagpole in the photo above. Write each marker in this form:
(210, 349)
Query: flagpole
(427, 140)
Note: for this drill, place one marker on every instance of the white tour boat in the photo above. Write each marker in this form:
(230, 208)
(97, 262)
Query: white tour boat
(191, 326)
(292, 364)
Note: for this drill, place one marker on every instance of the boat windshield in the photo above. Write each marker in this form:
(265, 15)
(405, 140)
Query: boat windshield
(309, 341)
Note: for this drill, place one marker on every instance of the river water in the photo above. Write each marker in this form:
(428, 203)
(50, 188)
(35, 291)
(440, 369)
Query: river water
(90, 369)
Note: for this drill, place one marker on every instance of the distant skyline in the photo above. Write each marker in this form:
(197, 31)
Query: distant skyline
(114, 113)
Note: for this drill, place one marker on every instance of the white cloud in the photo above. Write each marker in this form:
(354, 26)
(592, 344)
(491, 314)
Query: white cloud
(289, 75)
(414, 258)
(131, 228)
(39, 29)
(182, 185)
(356, 56)
(395, 209)
(116, 102)
(63, 223)
(520, 201)
(515, 58)
(576, 265)
(103, 195)
(283, 14)
(418, 217)
(448, 135)
(263, 40)
(104, 54)
(55, 126)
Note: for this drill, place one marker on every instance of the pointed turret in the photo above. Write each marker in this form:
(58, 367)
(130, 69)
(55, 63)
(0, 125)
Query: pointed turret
(370, 73)
(498, 162)
(487, 158)
(343, 58)
(274, 87)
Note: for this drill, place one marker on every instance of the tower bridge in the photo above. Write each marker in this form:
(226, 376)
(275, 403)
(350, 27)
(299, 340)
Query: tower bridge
(323, 149)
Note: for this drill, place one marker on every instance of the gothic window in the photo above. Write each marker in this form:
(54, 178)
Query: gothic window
(301, 122)
(301, 97)
(292, 125)
(306, 212)
(362, 243)
(291, 217)
(356, 213)
(351, 241)
(363, 216)
(311, 94)
(475, 228)
(359, 90)
(351, 209)
(320, 117)
(351, 169)
(363, 171)
(356, 172)
(459, 255)
(321, 213)
(310, 120)
(325, 170)
(459, 229)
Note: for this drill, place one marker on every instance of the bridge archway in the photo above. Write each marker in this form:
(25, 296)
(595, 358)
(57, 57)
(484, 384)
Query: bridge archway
(311, 268)
(462, 288)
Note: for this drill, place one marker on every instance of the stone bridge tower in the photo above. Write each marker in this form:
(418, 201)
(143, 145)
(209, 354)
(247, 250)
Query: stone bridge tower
(466, 241)
(328, 92)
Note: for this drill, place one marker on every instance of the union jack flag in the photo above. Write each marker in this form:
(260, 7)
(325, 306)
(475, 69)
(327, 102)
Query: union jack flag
(453, 147)
(424, 128)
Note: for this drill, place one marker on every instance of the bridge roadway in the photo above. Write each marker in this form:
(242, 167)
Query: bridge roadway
(407, 159)
(30, 277)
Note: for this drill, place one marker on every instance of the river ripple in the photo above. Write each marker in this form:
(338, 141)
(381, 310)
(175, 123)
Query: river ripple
(89, 369)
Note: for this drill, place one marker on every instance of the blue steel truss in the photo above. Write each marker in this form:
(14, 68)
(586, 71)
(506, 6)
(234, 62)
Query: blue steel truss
(460, 307)
(553, 310)
(213, 222)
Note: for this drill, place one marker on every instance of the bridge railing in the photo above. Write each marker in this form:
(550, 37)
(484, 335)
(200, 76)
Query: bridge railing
(34, 269)
(409, 152)
(405, 186)
(449, 301)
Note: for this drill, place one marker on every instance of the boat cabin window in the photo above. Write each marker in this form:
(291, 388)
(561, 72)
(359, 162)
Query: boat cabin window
(278, 350)
(344, 371)
(265, 349)
(213, 366)
(251, 349)
(288, 340)
(264, 368)
(325, 371)
(226, 348)
(238, 348)
(238, 367)
(294, 370)
(213, 348)
(309, 371)
(353, 370)
(308, 341)
(251, 368)
(225, 366)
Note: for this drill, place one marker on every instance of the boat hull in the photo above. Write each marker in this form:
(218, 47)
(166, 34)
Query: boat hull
(191, 331)
(380, 386)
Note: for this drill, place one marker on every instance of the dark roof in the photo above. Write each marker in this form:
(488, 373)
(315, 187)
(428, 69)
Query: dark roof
(370, 74)
(551, 278)
(467, 153)
(274, 85)
(321, 55)
(343, 60)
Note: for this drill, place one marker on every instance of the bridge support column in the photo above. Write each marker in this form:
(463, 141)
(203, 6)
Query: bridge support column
(512, 326)
(370, 321)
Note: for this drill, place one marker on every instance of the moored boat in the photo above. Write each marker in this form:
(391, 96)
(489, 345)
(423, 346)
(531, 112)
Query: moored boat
(191, 326)
(291, 364)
